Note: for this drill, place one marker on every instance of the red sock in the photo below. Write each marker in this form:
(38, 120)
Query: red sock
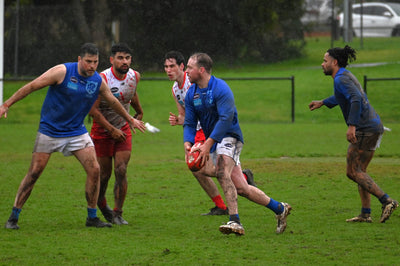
(219, 202)
(117, 211)
(245, 176)
(103, 203)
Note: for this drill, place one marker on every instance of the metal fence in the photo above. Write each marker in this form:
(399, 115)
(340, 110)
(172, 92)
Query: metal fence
(291, 80)
(366, 80)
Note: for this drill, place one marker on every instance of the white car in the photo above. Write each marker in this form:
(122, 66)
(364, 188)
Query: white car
(378, 19)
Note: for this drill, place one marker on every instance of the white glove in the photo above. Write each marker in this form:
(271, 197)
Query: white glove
(151, 128)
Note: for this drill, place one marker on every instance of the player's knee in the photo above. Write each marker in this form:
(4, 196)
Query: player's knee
(220, 174)
(94, 171)
(120, 170)
(35, 173)
(351, 174)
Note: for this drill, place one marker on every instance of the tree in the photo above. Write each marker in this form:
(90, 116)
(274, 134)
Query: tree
(230, 31)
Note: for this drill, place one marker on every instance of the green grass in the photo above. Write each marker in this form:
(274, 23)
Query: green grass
(302, 163)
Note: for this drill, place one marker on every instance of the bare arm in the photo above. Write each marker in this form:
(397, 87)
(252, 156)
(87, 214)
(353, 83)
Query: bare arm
(177, 120)
(115, 133)
(53, 76)
(135, 103)
(117, 106)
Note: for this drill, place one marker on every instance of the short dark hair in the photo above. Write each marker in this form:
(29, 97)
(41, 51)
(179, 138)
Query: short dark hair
(178, 56)
(203, 60)
(343, 55)
(89, 48)
(120, 47)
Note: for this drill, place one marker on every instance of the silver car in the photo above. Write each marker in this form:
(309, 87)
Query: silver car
(378, 19)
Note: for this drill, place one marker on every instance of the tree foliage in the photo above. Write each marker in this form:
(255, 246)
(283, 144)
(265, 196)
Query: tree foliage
(230, 31)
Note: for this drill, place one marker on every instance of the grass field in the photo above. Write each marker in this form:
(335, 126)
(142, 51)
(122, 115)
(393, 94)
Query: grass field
(302, 163)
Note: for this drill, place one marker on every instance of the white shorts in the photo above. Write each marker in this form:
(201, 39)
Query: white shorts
(46, 144)
(231, 147)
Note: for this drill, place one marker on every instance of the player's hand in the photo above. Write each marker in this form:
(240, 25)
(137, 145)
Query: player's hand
(351, 134)
(315, 105)
(118, 135)
(187, 146)
(3, 111)
(204, 153)
(134, 123)
(173, 119)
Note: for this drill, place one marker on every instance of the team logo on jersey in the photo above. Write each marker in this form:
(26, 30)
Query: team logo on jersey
(210, 96)
(196, 100)
(115, 92)
(91, 87)
(73, 83)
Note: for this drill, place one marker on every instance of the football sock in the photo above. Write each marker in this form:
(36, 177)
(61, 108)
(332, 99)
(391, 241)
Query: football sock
(15, 213)
(116, 210)
(245, 176)
(103, 203)
(366, 212)
(384, 198)
(275, 206)
(234, 217)
(92, 212)
(219, 202)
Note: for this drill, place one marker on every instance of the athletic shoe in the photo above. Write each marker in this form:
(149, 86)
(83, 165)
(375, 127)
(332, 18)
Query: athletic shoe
(250, 177)
(12, 224)
(281, 218)
(360, 219)
(96, 222)
(117, 219)
(387, 210)
(217, 211)
(232, 227)
(107, 213)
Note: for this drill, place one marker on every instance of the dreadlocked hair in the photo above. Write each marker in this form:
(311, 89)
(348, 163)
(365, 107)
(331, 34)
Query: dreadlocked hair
(343, 55)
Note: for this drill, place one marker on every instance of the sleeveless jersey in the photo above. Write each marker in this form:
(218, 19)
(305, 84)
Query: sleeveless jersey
(67, 104)
(123, 89)
(179, 93)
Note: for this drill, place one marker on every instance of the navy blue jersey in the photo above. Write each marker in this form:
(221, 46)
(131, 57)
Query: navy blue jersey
(67, 104)
(353, 102)
(215, 108)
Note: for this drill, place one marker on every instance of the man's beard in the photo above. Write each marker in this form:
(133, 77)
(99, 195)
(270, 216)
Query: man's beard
(327, 72)
(122, 70)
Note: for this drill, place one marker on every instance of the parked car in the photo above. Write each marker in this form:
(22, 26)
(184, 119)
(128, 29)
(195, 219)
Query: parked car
(378, 19)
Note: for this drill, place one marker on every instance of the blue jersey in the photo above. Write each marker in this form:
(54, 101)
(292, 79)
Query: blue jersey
(215, 108)
(353, 102)
(67, 104)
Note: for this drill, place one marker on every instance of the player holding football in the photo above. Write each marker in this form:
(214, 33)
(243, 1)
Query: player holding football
(110, 132)
(174, 64)
(364, 131)
(73, 88)
(210, 101)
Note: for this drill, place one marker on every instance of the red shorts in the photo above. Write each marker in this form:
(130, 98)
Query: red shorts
(107, 146)
(200, 137)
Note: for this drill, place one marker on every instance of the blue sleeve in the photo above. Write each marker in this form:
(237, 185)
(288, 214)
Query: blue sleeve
(190, 123)
(353, 97)
(226, 110)
(330, 102)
